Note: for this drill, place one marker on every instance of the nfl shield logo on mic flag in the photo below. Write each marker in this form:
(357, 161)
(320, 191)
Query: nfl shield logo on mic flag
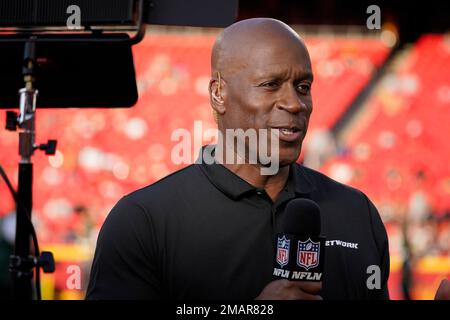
(308, 254)
(283, 245)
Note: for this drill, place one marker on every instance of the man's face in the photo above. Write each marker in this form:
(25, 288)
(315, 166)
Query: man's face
(272, 89)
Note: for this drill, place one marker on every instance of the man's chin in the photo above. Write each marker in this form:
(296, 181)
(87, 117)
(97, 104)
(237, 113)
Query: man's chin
(287, 162)
(289, 156)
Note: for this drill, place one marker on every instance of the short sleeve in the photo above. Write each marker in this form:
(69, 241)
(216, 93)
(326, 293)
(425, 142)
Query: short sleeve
(382, 243)
(125, 264)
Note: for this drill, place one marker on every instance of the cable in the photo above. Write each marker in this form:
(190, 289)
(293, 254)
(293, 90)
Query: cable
(31, 230)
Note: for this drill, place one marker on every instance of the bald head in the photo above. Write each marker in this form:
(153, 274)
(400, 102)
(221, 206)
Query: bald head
(233, 48)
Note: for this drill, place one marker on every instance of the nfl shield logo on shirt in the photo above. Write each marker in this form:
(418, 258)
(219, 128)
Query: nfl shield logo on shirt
(283, 251)
(308, 254)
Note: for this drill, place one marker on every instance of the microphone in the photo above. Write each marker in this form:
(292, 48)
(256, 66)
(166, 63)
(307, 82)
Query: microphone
(300, 248)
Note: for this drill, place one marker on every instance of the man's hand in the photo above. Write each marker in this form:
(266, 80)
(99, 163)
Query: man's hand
(290, 290)
(443, 292)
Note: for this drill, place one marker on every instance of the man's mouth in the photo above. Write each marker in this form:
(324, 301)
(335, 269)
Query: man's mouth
(288, 131)
(289, 134)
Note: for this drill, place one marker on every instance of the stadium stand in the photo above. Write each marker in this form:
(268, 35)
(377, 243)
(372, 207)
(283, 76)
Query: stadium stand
(404, 124)
(395, 150)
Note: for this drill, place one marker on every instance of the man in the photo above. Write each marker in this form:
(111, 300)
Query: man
(207, 231)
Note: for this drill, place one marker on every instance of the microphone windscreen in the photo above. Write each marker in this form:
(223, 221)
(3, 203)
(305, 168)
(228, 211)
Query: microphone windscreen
(302, 218)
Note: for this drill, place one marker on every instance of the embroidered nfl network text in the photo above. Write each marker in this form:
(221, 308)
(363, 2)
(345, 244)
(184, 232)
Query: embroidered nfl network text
(340, 243)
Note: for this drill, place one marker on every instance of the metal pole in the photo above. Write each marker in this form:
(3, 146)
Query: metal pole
(22, 276)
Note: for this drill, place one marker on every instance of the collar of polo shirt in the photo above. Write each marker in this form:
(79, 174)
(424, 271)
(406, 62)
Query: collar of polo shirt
(235, 187)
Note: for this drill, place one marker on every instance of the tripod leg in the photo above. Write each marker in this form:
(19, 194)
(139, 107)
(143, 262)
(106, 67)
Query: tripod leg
(22, 287)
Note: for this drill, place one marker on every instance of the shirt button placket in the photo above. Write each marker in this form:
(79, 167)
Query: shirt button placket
(273, 212)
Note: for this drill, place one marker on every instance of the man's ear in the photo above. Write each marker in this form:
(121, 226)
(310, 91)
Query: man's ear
(217, 95)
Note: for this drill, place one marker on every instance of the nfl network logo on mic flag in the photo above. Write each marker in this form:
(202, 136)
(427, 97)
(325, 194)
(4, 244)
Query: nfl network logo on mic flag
(308, 254)
(298, 258)
(283, 246)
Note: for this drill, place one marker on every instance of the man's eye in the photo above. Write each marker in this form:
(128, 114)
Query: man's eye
(270, 84)
(304, 88)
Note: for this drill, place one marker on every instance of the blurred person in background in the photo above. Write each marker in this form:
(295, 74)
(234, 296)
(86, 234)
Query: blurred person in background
(7, 238)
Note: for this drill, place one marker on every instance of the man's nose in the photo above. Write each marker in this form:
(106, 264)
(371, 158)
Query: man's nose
(290, 100)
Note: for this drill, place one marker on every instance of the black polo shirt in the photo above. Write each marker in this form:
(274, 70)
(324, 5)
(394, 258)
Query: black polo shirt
(205, 233)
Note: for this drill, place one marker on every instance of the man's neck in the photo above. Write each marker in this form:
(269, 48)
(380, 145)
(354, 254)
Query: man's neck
(272, 184)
